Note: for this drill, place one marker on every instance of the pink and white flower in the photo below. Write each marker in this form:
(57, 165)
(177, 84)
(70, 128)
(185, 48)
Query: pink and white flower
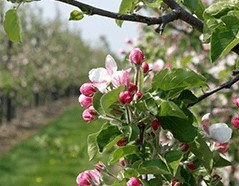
(89, 177)
(134, 182)
(87, 89)
(89, 114)
(102, 77)
(85, 101)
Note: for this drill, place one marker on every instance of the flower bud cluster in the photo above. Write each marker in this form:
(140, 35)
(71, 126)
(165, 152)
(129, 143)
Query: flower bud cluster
(87, 91)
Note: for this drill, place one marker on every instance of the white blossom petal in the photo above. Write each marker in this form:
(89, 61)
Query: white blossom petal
(206, 117)
(99, 75)
(220, 132)
(110, 65)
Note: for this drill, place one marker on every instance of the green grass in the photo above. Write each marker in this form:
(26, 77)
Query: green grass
(53, 157)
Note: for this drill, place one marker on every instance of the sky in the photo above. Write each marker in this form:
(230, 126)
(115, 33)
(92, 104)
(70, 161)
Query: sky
(92, 27)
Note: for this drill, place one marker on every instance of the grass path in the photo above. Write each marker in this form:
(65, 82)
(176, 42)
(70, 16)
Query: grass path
(53, 157)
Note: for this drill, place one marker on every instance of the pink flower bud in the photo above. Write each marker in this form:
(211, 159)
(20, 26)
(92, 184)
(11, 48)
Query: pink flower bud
(89, 177)
(175, 182)
(125, 97)
(168, 65)
(134, 182)
(184, 147)
(85, 101)
(87, 89)
(122, 52)
(191, 166)
(236, 101)
(132, 88)
(83, 179)
(139, 95)
(122, 142)
(155, 124)
(235, 122)
(136, 56)
(128, 41)
(89, 115)
(145, 67)
(123, 163)
(100, 166)
(223, 147)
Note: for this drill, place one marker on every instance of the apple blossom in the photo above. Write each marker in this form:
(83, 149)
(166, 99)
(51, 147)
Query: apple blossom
(175, 182)
(139, 95)
(136, 56)
(85, 101)
(134, 182)
(205, 122)
(125, 97)
(155, 124)
(220, 132)
(132, 88)
(235, 122)
(123, 163)
(184, 147)
(191, 166)
(121, 78)
(101, 77)
(236, 101)
(145, 67)
(223, 147)
(100, 166)
(89, 114)
(122, 142)
(89, 177)
(87, 89)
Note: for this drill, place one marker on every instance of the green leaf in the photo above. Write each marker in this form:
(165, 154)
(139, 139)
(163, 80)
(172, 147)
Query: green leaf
(220, 161)
(122, 152)
(182, 129)
(201, 150)
(76, 15)
(11, 25)
(153, 167)
(191, 4)
(224, 37)
(151, 106)
(126, 7)
(134, 132)
(180, 79)
(109, 98)
(96, 102)
(154, 3)
(195, 6)
(169, 108)
(106, 135)
(92, 145)
(220, 8)
(187, 97)
(173, 159)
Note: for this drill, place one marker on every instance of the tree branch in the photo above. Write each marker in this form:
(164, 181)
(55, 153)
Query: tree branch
(177, 13)
(190, 19)
(226, 85)
(126, 17)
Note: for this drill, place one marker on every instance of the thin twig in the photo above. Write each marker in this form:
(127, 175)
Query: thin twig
(91, 10)
(226, 85)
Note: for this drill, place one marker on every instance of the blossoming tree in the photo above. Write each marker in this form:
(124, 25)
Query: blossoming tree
(150, 128)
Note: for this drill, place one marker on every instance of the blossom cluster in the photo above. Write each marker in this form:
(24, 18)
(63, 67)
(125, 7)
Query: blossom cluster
(134, 110)
(108, 78)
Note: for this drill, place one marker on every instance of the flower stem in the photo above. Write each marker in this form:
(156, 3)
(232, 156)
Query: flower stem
(128, 114)
(136, 77)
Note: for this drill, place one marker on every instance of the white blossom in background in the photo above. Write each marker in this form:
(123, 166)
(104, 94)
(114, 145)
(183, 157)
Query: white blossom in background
(220, 132)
